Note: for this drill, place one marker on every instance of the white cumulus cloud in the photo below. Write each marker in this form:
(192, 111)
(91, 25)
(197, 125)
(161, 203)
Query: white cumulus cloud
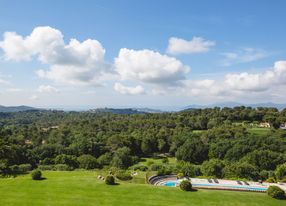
(78, 63)
(128, 90)
(182, 46)
(149, 67)
(258, 81)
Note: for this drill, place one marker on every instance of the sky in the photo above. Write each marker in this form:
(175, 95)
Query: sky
(131, 53)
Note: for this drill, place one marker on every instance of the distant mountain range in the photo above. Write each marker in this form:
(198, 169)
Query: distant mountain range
(116, 111)
(235, 104)
(16, 108)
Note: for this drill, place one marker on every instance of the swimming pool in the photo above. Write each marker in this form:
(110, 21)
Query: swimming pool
(219, 186)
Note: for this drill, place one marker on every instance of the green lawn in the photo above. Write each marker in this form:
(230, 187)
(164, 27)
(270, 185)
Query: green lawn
(82, 188)
(259, 131)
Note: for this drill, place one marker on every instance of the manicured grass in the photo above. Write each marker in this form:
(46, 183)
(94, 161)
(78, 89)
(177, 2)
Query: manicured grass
(259, 131)
(145, 161)
(82, 188)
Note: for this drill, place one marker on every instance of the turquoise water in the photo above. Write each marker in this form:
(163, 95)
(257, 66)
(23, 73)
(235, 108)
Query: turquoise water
(251, 188)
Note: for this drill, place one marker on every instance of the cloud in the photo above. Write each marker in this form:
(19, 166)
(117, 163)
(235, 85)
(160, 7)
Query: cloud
(14, 90)
(258, 81)
(77, 63)
(243, 56)
(4, 82)
(47, 89)
(149, 67)
(196, 45)
(128, 90)
(34, 97)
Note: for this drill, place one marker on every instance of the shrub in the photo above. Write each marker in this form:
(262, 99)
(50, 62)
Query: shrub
(156, 167)
(280, 171)
(109, 180)
(164, 171)
(165, 160)
(62, 167)
(105, 159)
(87, 162)
(69, 160)
(24, 168)
(123, 175)
(276, 192)
(283, 180)
(140, 167)
(46, 167)
(180, 175)
(36, 175)
(270, 180)
(185, 185)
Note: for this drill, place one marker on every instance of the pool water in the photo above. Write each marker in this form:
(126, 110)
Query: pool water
(251, 188)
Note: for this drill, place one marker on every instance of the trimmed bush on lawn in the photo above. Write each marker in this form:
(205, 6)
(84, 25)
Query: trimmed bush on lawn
(110, 180)
(276, 192)
(36, 175)
(186, 185)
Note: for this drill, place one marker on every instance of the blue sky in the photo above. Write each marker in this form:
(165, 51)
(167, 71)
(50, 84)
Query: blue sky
(141, 53)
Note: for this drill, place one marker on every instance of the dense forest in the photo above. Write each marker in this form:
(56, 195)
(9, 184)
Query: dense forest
(206, 142)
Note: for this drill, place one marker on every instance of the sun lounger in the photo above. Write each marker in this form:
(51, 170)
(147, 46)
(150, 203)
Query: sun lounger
(210, 181)
(216, 181)
(246, 183)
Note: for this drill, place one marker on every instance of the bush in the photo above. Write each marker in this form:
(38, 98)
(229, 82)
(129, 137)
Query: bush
(156, 167)
(283, 180)
(87, 162)
(276, 192)
(105, 159)
(164, 171)
(140, 167)
(62, 167)
(123, 175)
(69, 160)
(185, 185)
(24, 168)
(165, 160)
(109, 180)
(270, 180)
(36, 175)
(180, 175)
(46, 167)
(280, 171)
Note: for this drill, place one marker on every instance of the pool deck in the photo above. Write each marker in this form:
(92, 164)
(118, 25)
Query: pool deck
(171, 180)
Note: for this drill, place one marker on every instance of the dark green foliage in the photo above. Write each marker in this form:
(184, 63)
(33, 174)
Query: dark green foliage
(140, 167)
(213, 167)
(109, 180)
(276, 192)
(123, 175)
(270, 180)
(122, 158)
(185, 185)
(49, 138)
(193, 150)
(155, 167)
(62, 167)
(240, 170)
(69, 160)
(87, 162)
(164, 171)
(36, 175)
(280, 171)
(188, 169)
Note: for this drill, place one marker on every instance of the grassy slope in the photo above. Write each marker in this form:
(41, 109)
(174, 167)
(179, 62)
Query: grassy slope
(82, 188)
